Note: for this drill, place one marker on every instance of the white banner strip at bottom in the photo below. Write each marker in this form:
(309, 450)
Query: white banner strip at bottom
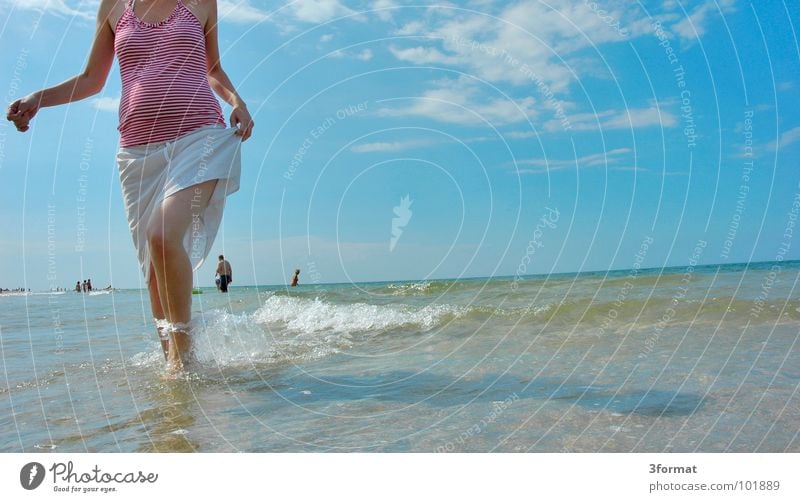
(409, 476)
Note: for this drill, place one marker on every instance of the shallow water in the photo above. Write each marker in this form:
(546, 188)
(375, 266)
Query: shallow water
(673, 360)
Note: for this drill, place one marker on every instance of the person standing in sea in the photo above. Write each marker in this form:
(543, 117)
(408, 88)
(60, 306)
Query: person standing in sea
(177, 158)
(224, 273)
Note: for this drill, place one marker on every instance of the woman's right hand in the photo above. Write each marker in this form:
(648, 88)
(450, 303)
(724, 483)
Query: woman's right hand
(21, 111)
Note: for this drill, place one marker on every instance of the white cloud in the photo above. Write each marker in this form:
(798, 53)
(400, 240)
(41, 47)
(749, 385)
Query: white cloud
(461, 102)
(526, 41)
(305, 11)
(786, 138)
(482, 5)
(641, 117)
(390, 146)
(318, 11)
(240, 11)
(789, 137)
(635, 118)
(412, 28)
(529, 44)
(423, 55)
(236, 11)
(384, 9)
(326, 38)
(364, 55)
(81, 9)
(520, 134)
(106, 104)
(610, 159)
(693, 26)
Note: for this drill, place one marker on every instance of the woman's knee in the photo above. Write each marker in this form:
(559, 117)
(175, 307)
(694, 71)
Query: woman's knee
(160, 241)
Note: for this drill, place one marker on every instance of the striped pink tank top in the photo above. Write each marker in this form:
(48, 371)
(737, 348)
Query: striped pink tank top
(165, 89)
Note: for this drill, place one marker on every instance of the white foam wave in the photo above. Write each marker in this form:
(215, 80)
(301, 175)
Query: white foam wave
(415, 288)
(302, 315)
(295, 329)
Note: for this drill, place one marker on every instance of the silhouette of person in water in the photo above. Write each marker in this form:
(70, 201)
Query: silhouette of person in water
(296, 275)
(78, 286)
(225, 274)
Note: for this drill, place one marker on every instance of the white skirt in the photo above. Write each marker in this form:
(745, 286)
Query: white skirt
(151, 173)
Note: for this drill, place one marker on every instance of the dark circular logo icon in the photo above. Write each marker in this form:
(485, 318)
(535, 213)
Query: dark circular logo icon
(31, 475)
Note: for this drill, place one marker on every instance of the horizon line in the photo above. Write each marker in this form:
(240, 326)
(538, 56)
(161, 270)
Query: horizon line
(511, 276)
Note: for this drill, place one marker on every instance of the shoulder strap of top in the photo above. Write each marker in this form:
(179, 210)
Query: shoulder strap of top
(129, 4)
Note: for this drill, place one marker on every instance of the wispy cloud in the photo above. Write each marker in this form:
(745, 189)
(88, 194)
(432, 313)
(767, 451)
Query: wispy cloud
(693, 26)
(106, 104)
(364, 55)
(520, 134)
(391, 146)
(318, 11)
(81, 9)
(235, 11)
(384, 9)
(788, 138)
(641, 117)
(531, 45)
(304, 11)
(240, 11)
(521, 42)
(652, 116)
(613, 159)
(462, 102)
(763, 148)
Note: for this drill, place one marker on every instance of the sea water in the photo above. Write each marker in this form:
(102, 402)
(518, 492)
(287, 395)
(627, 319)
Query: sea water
(687, 359)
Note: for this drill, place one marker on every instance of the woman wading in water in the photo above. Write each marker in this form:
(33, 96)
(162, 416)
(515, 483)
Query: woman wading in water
(177, 158)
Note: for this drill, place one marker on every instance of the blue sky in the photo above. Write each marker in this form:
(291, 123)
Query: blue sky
(664, 120)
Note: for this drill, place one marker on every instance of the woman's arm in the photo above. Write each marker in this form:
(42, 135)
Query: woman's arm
(219, 80)
(88, 83)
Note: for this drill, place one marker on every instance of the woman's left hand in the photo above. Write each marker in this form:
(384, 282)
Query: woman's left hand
(240, 118)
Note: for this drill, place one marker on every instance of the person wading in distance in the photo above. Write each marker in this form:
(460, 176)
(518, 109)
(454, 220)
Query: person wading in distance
(225, 273)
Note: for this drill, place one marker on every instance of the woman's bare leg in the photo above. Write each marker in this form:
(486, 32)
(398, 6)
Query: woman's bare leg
(173, 269)
(156, 308)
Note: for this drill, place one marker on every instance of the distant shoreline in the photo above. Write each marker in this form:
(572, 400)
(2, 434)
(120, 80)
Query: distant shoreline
(612, 272)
